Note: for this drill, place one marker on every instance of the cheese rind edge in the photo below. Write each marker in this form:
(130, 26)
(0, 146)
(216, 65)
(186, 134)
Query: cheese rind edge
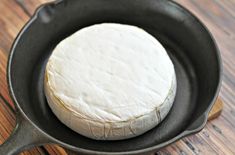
(113, 129)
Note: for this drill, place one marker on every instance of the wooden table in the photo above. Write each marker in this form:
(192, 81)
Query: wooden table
(218, 137)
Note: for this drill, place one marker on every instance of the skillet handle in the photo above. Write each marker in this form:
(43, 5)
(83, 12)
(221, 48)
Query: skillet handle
(24, 136)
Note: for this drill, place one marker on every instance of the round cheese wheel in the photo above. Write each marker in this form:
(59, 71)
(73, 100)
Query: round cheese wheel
(110, 82)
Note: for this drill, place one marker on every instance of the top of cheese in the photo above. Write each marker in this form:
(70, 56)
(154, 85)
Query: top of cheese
(110, 73)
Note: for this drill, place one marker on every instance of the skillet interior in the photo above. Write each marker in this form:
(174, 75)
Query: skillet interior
(187, 42)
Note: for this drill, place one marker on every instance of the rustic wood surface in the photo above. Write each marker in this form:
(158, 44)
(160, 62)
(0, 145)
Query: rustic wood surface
(216, 110)
(217, 137)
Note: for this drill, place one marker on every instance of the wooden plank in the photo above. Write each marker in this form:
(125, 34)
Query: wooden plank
(217, 25)
(9, 28)
(6, 36)
(178, 148)
(55, 150)
(216, 110)
(31, 5)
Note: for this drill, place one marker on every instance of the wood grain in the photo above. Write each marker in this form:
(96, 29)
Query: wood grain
(216, 110)
(219, 134)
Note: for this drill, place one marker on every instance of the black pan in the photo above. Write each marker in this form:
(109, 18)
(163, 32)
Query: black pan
(188, 42)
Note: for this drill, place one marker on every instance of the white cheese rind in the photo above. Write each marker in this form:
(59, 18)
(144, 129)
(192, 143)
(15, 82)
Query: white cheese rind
(115, 82)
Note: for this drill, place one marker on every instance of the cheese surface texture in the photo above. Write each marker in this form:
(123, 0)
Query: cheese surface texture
(110, 81)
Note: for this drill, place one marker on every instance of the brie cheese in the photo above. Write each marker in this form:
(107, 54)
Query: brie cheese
(110, 82)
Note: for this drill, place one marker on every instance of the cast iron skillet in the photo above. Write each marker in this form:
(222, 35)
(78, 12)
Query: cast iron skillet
(188, 42)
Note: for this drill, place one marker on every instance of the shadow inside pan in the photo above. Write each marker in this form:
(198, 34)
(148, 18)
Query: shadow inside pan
(187, 42)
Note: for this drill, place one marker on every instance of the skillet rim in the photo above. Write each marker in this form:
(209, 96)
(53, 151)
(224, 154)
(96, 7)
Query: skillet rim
(184, 133)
